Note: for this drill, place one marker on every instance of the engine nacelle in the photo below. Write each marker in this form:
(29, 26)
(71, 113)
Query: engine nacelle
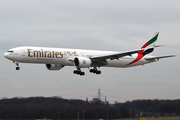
(82, 62)
(54, 66)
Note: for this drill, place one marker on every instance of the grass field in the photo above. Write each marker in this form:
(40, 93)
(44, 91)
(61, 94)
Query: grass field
(160, 118)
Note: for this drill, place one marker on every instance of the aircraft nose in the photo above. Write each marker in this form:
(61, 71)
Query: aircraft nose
(6, 55)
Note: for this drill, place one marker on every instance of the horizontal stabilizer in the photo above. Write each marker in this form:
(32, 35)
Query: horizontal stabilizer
(159, 45)
(154, 58)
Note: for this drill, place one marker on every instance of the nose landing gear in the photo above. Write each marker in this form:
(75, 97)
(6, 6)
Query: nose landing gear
(17, 68)
(17, 64)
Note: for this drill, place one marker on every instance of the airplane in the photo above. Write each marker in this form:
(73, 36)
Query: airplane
(57, 58)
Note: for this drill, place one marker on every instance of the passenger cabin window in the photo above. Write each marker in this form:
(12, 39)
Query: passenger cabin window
(10, 51)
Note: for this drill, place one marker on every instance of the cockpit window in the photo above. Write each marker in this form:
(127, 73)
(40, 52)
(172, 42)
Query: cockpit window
(10, 51)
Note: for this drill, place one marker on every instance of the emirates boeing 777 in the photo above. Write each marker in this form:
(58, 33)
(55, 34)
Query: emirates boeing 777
(57, 58)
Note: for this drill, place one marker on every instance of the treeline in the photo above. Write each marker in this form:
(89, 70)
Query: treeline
(42, 107)
(163, 107)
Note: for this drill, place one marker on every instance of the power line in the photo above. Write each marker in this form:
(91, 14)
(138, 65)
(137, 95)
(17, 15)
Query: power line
(99, 95)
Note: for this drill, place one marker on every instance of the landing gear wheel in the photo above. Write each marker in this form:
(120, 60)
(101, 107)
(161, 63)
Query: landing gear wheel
(82, 73)
(95, 71)
(17, 68)
(75, 71)
(78, 72)
(98, 72)
(17, 65)
(91, 70)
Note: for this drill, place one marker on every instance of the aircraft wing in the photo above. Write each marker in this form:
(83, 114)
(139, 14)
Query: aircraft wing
(154, 58)
(114, 56)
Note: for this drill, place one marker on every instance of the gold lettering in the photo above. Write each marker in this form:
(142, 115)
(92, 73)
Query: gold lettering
(45, 53)
(53, 54)
(42, 53)
(56, 54)
(49, 54)
(38, 52)
(61, 55)
(68, 52)
(74, 52)
(29, 51)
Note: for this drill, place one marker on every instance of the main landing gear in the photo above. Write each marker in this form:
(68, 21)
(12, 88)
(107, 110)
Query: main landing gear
(17, 64)
(79, 72)
(95, 71)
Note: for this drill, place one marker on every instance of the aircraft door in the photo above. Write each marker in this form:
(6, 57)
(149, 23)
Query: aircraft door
(23, 52)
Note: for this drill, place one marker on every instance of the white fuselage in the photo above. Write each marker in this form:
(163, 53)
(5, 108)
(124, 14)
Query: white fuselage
(57, 58)
(46, 55)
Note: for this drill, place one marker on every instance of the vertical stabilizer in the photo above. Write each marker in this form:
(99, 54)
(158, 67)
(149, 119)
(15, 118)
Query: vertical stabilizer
(151, 42)
(147, 48)
(150, 45)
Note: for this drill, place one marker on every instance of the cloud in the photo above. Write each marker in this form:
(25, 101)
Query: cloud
(116, 25)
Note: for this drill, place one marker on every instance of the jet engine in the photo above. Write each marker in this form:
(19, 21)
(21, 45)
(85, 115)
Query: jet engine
(82, 62)
(54, 66)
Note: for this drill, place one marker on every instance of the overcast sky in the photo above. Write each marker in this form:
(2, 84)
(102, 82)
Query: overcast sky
(119, 25)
